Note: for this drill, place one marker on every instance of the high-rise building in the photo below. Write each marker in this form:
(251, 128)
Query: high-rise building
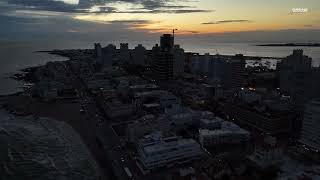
(237, 72)
(124, 53)
(230, 72)
(108, 54)
(269, 116)
(156, 50)
(139, 55)
(218, 73)
(162, 65)
(314, 86)
(294, 75)
(168, 60)
(178, 61)
(166, 42)
(310, 134)
(200, 63)
(98, 52)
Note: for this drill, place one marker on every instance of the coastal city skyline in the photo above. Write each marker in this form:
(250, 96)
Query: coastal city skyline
(164, 113)
(159, 90)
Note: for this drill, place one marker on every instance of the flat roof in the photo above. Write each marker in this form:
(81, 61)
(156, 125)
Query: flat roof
(144, 86)
(226, 128)
(151, 105)
(168, 145)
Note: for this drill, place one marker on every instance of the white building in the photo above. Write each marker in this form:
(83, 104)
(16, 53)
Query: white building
(157, 151)
(310, 133)
(227, 133)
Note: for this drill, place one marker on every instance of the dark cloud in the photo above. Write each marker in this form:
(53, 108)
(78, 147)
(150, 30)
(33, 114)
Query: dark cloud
(187, 11)
(157, 11)
(17, 20)
(58, 28)
(148, 6)
(142, 22)
(151, 4)
(192, 32)
(160, 4)
(228, 21)
(106, 9)
(48, 5)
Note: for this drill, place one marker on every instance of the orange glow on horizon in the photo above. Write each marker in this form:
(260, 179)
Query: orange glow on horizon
(225, 17)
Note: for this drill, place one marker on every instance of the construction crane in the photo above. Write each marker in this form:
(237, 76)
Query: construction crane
(174, 31)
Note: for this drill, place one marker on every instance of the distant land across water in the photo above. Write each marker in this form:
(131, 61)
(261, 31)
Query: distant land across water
(292, 45)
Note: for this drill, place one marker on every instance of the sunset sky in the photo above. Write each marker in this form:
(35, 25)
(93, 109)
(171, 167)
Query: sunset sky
(208, 16)
(157, 16)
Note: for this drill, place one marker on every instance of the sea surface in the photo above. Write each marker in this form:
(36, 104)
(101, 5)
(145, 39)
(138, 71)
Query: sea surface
(16, 55)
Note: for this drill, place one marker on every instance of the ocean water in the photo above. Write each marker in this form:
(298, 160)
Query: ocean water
(16, 55)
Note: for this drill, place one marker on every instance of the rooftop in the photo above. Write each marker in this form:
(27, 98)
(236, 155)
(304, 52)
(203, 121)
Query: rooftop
(150, 86)
(170, 145)
(226, 128)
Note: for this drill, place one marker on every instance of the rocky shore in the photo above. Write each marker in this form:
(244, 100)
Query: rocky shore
(26, 75)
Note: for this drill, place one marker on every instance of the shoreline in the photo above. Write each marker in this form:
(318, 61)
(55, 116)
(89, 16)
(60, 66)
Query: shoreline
(27, 74)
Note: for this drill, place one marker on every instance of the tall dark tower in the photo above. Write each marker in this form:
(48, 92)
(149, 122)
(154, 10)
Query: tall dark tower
(166, 42)
(163, 58)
